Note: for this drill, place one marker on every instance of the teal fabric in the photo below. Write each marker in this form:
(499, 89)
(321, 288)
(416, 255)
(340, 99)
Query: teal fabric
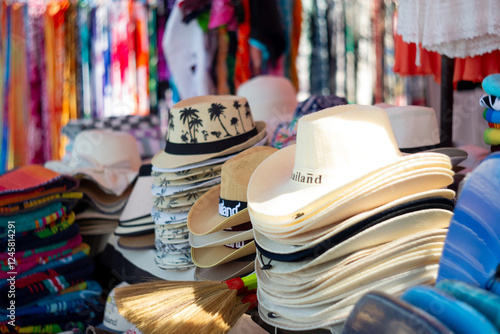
(491, 84)
(454, 314)
(482, 300)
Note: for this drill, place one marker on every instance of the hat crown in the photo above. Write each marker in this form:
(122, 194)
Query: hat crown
(342, 141)
(94, 148)
(209, 119)
(236, 172)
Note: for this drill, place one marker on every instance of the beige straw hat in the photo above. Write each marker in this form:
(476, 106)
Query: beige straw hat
(384, 232)
(213, 256)
(325, 316)
(338, 149)
(311, 238)
(208, 126)
(225, 205)
(341, 268)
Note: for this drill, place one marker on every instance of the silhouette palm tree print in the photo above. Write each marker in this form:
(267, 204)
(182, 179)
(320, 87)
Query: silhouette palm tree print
(215, 111)
(216, 134)
(194, 124)
(190, 116)
(234, 122)
(205, 134)
(248, 113)
(237, 106)
(184, 137)
(170, 123)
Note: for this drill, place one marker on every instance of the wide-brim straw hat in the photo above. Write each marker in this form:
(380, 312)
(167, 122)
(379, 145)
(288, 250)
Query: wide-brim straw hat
(194, 173)
(366, 197)
(213, 256)
(111, 159)
(225, 205)
(219, 238)
(389, 230)
(338, 149)
(208, 126)
(307, 318)
(317, 241)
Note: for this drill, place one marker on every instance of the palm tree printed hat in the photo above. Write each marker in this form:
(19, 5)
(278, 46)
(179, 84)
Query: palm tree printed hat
(209, 126)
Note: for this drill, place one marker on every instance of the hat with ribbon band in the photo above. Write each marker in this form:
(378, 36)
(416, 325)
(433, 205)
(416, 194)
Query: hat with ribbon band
(208, 126)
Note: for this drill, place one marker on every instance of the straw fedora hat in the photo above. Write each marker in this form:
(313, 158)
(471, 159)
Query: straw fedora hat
(208, 126)
(337, 149)
(225, 205)
(223, 272)
(273, 99)
(416, 129)
(111, 159)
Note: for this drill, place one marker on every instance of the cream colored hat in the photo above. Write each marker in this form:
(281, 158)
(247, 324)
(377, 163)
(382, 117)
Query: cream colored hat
(110, 159)
(225, 205)
(273, 99)
(389, 230)
(338, 150)
(213, 256)
(208, 126)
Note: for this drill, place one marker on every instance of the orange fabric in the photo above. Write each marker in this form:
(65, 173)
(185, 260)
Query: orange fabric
(243, 72)
(221, 65)
(473, 69)
(294, 45)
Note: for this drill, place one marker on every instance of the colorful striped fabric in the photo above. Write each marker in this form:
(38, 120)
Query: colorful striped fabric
(33, 220)
(69, 197)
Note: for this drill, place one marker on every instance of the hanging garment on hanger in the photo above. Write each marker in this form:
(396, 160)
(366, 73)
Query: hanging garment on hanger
(222, 13)
(153, 60)
(85, 91)
(455, 28)
(243, 71)
(142, 57)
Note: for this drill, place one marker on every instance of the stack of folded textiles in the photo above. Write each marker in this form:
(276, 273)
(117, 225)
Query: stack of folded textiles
(491, 102)
(46, 277)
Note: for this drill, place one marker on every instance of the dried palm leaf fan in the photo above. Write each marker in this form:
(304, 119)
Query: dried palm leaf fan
(185, 306)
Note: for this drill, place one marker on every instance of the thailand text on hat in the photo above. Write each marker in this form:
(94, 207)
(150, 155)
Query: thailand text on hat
(209, 126)
(111, 159)
(329, 159)
(225, 205)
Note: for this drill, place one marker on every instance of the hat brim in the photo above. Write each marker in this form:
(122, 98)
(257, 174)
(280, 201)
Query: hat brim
(121, 180)
(275, 198)
(387, 231)
(140, 201)
(146, 241)
(167, 160)
(204, 217)
(223, 272)
(136, 230)
(312, 238)
(219, 238)
(213, 256)
(456, 155)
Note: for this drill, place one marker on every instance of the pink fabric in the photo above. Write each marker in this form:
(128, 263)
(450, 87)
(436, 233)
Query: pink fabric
(222, 13)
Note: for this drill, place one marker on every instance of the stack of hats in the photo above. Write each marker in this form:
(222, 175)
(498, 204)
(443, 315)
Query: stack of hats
(46, 279)
(136, 226)
(107, 164)
(221, 234)
(204, 132)
(465, 298)
(286, 131)
(491, 102)
(344, 211)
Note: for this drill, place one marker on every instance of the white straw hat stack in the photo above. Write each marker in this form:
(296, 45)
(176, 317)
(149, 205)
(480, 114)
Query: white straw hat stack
(343, 212)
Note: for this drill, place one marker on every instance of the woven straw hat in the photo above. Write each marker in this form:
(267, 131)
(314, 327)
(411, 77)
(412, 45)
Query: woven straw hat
(338, 150)
(208, 126)
(225, 205)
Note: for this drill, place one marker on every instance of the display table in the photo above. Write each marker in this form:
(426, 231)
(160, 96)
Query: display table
(134, 266)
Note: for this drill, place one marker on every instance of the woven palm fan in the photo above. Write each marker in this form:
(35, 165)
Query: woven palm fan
(186, 306)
